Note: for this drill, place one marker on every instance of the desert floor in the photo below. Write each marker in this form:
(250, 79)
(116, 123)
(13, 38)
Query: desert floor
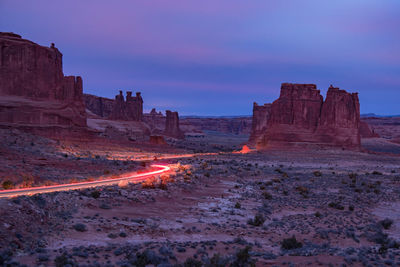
(282, 208)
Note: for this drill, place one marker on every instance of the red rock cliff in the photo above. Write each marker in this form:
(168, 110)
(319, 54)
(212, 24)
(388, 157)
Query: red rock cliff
(33, 88)
(172, 125)
(300, 117)
(129, 110)
(100, 106)
(259, 121)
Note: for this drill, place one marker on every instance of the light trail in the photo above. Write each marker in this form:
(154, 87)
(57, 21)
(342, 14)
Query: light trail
(134, 178)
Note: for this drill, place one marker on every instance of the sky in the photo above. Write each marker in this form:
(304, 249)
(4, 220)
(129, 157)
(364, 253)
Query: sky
(217, 57)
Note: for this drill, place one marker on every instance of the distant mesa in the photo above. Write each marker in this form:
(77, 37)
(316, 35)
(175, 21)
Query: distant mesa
(34, 92)
(301, 118)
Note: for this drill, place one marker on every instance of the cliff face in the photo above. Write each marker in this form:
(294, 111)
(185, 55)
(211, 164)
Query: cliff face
(236, 126)
(33, 88)
(259, 121)
(300, 117)
(340, 119)
(100, 106)
(172, 125)
(129, 110)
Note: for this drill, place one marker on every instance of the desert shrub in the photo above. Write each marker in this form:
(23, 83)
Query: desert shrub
(318, 214)
(386, 223)
(351, 208)
(376, 173)
(190, 262)
(63, 260)
(80, 227)
(303, 191)
(257, 221)
(8, 184)
(336, 205)
(149, 183)
(317, 173)
(267, 195)
(353, 175)
(163, 186)
(291, 243)
(95, 194)
(279, 171)
(237, 205)
(218, 261)
(276, 180)
(243, 258)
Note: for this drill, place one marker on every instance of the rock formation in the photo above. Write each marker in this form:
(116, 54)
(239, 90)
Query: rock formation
(227, 125)
(130, 110)
(156, 121)
(259, 121)
(100, 106)
(34, 91)
(172, 125)
(300, 117)
(366, 131)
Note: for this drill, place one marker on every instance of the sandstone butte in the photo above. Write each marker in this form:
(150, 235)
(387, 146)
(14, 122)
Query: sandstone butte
(34, 92)
(301, 118)
(259, 122)
(172, 125)
(129, 110)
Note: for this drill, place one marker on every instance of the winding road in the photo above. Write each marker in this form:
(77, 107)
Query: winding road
(134, 178)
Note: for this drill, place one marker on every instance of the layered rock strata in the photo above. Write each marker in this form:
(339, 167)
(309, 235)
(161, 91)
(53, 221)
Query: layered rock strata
(259, 121)
(172, 125)
(34, 93)
(131, 109)
(300, 117)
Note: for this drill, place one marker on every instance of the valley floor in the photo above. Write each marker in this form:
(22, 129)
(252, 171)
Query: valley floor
(279, 208)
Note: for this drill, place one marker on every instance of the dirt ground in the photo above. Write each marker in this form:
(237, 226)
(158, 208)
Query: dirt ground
(272, 208)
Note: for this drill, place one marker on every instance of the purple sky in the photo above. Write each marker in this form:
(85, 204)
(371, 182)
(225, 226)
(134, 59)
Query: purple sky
(216, 57)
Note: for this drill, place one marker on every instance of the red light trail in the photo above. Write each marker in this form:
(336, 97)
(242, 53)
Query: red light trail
(135, 178)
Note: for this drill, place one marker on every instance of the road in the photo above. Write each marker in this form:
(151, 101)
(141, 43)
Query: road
(134, 178)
